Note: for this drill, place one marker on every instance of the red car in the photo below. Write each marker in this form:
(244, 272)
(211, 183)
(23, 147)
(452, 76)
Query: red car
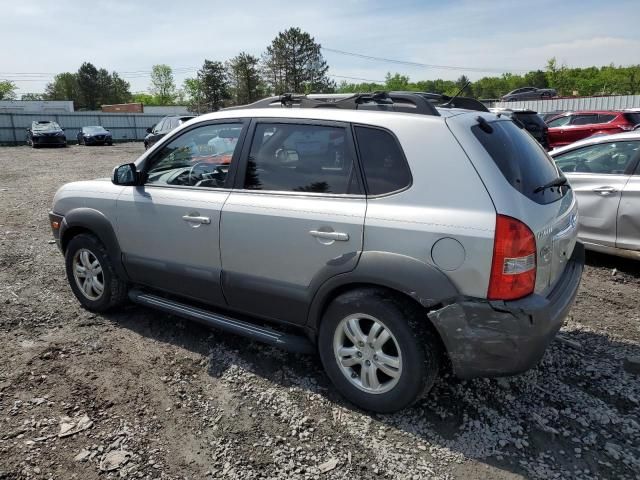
(570, 127)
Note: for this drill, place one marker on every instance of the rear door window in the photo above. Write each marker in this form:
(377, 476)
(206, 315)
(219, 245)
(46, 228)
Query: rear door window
(584, 119)
(522, 161)
(291, 157)
(604, 118)
(384, 164)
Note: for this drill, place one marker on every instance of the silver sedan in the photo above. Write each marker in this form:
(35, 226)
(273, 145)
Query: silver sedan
(605, 176)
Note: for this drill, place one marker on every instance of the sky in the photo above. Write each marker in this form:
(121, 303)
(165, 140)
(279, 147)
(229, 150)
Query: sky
(482, 38)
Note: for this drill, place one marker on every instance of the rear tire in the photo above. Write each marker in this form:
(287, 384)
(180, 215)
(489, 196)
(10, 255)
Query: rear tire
(91, 275)
(397, 359)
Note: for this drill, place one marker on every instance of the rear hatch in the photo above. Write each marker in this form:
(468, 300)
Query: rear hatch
(514, 167)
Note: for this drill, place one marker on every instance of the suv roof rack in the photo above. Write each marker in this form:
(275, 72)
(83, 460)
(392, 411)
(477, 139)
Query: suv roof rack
(385, 101)
(445, 101)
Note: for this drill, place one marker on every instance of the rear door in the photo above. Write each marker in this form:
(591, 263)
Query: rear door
(295, 218)
(598, 174)
(581, 126)
(629, 211)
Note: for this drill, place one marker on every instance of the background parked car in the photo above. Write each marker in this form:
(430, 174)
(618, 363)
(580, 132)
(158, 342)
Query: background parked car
(95, 135)
(573, 126)
(605, 177)
(45, 132)
(529, 93)
(530, 120)
(547, 116)
(163, 127)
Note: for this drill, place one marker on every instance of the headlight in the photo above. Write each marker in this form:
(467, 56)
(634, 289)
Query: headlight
(60, 134)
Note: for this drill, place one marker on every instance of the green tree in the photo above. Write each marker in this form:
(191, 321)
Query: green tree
(214, 85)
(63, 87)
(32, 96)
(144, 98)
(244, 78)
(193, 93)
(396, 82)
(87, 80)
(162, 84)
(7, 90)
(294, 63)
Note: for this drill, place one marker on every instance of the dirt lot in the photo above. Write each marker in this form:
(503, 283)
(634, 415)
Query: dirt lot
(167, 399)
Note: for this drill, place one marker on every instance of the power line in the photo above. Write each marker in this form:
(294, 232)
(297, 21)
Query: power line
(418, 64)
(357, 78)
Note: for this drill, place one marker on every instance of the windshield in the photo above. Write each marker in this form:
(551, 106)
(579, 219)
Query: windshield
(521, 159)
(43, 127)
(96, 129)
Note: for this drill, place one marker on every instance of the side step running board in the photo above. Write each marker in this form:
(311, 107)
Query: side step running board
(289, 342)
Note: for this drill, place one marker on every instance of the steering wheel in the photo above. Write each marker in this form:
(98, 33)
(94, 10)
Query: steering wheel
(196, 174)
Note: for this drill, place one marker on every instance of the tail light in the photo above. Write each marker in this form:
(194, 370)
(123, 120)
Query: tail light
(513, 271)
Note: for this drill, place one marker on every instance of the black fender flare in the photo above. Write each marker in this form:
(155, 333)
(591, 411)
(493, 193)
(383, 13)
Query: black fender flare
(423, 282)
(94, 221)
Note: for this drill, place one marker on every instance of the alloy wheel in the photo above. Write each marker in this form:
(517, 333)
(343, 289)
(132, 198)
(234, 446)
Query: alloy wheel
(367, 353)
(88, 274)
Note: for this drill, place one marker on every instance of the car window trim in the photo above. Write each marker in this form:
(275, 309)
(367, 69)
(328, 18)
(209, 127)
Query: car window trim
(362, 172)
(241, 172)
(143, 162)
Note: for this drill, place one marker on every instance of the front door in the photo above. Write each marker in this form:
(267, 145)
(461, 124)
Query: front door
(169, 227)
(598, 174)
(629, 213)
(295, 220)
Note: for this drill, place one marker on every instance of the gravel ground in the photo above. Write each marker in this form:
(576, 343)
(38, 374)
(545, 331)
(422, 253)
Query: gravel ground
(140, 394)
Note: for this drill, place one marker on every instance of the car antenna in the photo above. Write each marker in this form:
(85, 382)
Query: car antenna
(449, 104)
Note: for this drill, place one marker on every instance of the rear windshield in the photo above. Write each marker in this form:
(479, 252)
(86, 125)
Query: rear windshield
(633, 118)
(521, 159)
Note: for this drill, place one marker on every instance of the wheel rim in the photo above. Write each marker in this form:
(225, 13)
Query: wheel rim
(88, 274)
(367, 353)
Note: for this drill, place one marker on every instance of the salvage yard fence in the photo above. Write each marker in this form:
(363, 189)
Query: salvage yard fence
(612, 102)
(123, 127)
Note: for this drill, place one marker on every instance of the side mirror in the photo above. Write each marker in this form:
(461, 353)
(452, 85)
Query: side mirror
(125, 174)
(149, 130)
(62, 129)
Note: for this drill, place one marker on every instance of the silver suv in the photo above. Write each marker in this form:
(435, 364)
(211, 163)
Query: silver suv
(392, 244)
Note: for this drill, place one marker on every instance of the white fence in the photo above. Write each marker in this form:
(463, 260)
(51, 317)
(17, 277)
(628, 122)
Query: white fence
(574, 104)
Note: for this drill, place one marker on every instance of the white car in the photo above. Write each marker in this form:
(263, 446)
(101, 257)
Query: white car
(605, 176)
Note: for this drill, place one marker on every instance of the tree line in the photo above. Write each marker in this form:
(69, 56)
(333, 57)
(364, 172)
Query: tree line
(293, 62)
(607, 80)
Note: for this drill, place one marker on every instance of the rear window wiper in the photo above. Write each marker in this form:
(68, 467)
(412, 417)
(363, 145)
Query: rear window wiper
(558, 182)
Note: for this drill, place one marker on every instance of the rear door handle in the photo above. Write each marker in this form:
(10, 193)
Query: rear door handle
(189, 218)
(339, 236)
(605, 190)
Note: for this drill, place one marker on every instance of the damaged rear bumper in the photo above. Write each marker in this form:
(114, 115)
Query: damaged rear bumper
(496, 338)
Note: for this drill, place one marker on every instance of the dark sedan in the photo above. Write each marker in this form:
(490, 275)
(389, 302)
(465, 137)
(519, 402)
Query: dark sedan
(529, 93)
(163, 127)
(95, 135)
(46, 132)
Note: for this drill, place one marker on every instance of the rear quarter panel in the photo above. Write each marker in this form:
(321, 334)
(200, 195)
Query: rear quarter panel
(446, 200)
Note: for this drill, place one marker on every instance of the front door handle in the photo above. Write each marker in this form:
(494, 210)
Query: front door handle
(189, 218)
(339, 236)
(605, 190)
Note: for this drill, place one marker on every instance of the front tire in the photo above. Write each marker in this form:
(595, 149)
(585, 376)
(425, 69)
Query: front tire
(91, 275)
(376, 350)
